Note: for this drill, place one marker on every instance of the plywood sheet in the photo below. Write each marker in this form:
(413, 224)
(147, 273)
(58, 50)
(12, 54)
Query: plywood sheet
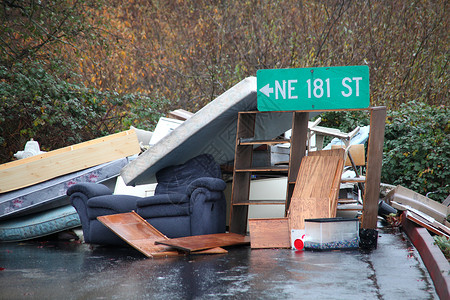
(208, 241)
(269, 233)
(315, 191)
(39, 168)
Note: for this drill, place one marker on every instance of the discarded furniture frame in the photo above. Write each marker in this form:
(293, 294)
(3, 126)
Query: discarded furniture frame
(243, 169)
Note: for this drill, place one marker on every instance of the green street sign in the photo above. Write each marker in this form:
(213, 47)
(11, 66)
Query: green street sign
(313, 88)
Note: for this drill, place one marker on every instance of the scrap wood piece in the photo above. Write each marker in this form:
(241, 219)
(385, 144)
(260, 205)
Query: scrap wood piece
(424, 218)
(141, 235)
(426, 205)
(269, 233)
(424, 223)
(207, 241)
(39, 168)
(316, 189)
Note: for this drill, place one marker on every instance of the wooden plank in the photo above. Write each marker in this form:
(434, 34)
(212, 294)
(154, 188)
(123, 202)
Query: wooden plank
(373, 172)
(208, 241)
(315, 192)
(62, 150)
(36, 169)
(269, 233)
(141, 235)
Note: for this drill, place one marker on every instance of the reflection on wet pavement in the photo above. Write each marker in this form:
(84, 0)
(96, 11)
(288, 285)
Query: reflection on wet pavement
(70, 270)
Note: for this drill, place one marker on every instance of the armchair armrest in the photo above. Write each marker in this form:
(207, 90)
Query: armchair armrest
(110, 204)
(210, 183)
(89, 189)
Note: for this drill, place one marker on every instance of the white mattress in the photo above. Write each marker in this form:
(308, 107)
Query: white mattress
(211, 130)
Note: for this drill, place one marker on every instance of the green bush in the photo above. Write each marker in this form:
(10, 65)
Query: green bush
(416, 149)
(416, 146)
(444, 244)
(36, 103)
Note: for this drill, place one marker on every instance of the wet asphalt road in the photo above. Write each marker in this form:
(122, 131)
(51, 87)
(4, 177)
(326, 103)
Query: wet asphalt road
(71, 270)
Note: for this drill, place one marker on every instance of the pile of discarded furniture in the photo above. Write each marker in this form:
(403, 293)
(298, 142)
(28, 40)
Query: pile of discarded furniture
(188, 200)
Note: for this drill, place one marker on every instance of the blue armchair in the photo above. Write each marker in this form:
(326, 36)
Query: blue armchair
(188, 200)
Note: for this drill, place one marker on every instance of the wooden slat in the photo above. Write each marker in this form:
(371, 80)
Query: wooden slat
(354, 180)
(269, 233)
(208, 241)
(36, 169)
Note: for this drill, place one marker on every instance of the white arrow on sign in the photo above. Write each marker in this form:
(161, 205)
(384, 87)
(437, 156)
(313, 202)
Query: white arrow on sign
(266, 90)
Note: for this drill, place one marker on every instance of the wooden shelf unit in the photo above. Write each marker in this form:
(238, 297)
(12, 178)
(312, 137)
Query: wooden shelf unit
(243, 169)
